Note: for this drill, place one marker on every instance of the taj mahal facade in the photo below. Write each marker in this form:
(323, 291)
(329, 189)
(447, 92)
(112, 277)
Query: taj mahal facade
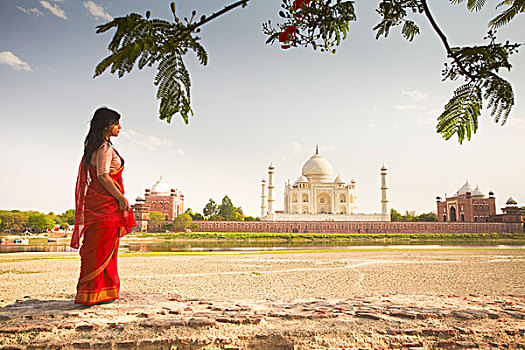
(317, 196)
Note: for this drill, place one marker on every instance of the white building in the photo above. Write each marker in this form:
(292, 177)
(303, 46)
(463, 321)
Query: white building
(317, 196)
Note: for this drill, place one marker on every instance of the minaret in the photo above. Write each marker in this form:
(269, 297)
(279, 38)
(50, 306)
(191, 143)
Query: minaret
(271, 212)
(263, 198)
(384, 200)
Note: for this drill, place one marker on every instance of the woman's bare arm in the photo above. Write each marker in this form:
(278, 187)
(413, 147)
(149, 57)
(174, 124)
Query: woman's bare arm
(109, 185)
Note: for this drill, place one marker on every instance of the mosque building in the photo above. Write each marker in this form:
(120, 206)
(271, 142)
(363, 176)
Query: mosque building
(160, 198)
(470, 204)
(317, 196)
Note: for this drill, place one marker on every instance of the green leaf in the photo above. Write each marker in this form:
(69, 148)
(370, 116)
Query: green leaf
(472, 5)
(500, 98)
(516, 7)
(141, 42)
(410, 29)
(461, 113)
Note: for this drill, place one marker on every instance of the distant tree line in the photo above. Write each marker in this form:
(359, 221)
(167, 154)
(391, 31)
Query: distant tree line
(411, 216)
(212, 211)
(16, 221)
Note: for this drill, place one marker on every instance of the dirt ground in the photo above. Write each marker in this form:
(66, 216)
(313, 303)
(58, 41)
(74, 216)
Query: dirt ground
(379, 299)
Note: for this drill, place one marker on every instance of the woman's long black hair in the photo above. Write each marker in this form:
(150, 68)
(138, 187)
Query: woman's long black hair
(102, 118)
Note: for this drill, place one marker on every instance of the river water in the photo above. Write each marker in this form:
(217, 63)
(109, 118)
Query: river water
(218, 246)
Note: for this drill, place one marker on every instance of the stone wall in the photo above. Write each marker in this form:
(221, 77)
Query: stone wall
(356, 227)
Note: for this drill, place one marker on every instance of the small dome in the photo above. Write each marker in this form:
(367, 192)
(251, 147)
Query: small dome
(383, 168)
(161, 188)
(477, 192)
(464, 189)
(511, 201)
(302, 179)
(140, 199)
(317, 168)
(339, 180)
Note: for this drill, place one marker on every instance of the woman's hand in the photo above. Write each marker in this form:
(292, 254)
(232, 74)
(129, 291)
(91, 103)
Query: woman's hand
(123, 203)
(109, 185)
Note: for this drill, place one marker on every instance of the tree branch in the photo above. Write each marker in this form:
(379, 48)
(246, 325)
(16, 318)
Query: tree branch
(444, 39)
(220, 13)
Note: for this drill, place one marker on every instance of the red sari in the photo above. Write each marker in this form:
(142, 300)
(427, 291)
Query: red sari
(99, 220)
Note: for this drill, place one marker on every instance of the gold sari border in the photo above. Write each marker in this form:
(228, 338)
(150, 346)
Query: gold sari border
(90, 298)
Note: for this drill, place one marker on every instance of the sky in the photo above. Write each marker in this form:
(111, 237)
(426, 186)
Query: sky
(375, 102)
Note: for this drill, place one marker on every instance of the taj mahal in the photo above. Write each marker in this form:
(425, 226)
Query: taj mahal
(317, 196)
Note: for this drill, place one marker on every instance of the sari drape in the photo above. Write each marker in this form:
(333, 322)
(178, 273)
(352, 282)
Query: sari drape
(101, 223)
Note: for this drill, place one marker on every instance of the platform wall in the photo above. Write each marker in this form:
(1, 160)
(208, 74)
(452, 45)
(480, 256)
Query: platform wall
(356, 227)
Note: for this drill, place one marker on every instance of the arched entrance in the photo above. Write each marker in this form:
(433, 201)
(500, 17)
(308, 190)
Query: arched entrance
(324, 204)
(453, 214)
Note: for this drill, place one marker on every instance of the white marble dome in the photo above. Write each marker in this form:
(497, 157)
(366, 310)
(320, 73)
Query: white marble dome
(339, 180)
(478, 193)
(161, 188)
(317, 168)
(302, 179)
(464, 189)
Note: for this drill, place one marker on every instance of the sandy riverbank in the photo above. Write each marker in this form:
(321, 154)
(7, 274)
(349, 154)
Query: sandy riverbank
(209, 284)
(282, 276)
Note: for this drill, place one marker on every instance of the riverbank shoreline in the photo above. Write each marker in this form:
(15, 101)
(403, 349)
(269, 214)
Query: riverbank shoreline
(277, 237)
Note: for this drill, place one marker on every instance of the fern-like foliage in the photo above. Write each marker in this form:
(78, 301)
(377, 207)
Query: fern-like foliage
(393, 13)
(500, 97)
(173, 82)
(482, 64)
(472, 5)
(409, 30)
(513, 8)
(461, 113)
(142, 42)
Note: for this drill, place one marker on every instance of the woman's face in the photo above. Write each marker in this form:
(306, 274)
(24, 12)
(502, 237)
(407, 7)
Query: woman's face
(114, 129)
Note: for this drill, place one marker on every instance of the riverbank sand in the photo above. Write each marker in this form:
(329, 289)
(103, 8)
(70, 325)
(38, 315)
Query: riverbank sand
(361, 299)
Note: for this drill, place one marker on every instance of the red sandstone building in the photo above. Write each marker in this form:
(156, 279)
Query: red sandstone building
(469, 204)
(160, 198)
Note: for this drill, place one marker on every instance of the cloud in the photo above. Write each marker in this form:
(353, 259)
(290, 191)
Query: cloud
(34, 11)
(416, 95)
(97, 11)
(411, 108)
(55, 9)
(295, 147)
(151, 143)
(289, 150)
(371, 125)
(7, 57)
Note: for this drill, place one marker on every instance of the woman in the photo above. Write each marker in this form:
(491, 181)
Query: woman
(102, 213)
